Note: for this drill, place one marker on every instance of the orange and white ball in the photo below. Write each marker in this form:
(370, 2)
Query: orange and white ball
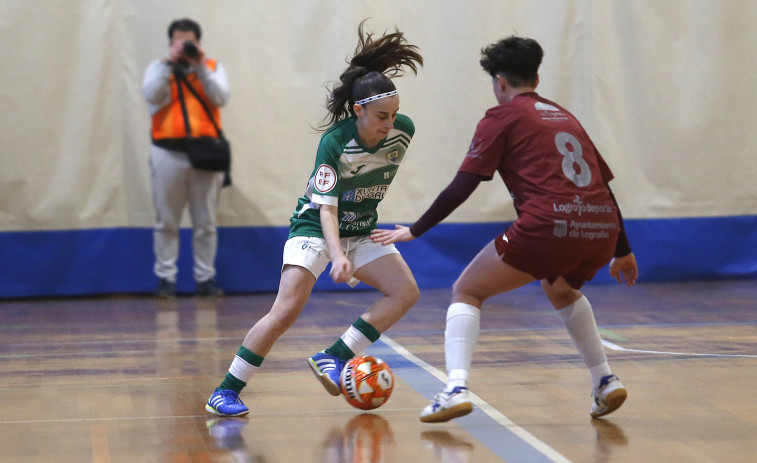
(367, 382)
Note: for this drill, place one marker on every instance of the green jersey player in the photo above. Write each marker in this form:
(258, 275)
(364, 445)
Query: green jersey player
(351, 177)
(364, 141)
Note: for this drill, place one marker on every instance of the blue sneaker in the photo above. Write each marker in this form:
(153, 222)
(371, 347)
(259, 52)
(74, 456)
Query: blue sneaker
(327, 368)
(226, 402)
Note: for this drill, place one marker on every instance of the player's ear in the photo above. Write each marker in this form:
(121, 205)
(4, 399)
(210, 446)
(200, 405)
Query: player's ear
(502, 82)
(536, 84)
(358, 108)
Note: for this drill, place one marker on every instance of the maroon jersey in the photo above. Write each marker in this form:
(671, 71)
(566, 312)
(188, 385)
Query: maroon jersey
(556, 177)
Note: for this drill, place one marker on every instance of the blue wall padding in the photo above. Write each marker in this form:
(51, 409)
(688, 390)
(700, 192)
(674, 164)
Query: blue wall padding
(120, 260)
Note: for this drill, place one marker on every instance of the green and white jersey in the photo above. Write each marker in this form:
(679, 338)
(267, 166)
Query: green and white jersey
(352, 177)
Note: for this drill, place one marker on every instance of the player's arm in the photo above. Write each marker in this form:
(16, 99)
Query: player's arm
(341, 268)
(623, 264)
(448, 200)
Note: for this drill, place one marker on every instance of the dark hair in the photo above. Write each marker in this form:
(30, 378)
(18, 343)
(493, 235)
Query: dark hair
(184, 25)
(370, 69)
(517, 59)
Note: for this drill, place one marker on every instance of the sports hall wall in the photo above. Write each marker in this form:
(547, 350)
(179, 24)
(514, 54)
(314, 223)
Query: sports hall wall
(666, 89)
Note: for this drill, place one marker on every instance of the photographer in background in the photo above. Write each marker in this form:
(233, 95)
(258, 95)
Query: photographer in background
(175, 183)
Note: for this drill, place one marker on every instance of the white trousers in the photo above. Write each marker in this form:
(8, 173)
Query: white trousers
(175, 184)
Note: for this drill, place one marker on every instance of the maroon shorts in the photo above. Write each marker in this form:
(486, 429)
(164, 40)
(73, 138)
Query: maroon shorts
(577, 261)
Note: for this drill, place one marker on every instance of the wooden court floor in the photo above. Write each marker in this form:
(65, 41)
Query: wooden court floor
(124, 379)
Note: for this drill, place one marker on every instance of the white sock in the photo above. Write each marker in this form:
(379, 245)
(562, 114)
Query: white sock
(460, 337)
(242, 370)
(355, 340)
(579, 320)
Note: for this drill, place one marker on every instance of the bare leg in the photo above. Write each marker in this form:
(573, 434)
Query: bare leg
(576, 312)
(294, 290)
(577, 315)
(560, 293)
(486, 276)
(392, 277)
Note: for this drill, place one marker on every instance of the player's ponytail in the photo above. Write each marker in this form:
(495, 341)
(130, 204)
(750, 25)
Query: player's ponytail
(369, 72)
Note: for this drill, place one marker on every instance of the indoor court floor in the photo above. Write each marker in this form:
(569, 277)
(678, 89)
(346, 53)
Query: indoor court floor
(125, 379)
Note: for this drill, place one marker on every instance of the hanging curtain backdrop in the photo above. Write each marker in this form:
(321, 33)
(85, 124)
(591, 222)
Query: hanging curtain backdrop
(665, 89)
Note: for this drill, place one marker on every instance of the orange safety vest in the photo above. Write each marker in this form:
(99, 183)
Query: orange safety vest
(168, 122)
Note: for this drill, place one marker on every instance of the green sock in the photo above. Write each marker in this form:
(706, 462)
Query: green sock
(340, 349)
(360, 335)
(249, 356)
(249, 362)
(367, 329)
(230, 382)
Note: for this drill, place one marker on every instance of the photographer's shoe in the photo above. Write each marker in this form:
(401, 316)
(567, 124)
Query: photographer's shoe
(208, 288)
(166, 289)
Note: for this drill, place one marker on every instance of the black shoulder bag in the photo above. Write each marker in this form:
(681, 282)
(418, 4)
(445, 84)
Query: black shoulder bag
(205, 153)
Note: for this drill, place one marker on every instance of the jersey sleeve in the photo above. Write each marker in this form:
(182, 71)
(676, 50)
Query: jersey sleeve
(604, 169)
(486, 149)
(405, 124)
(326, 173)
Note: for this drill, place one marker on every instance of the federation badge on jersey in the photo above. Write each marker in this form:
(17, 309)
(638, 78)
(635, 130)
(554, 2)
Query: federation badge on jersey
(325, 178)
(475, 145)
(393, 156)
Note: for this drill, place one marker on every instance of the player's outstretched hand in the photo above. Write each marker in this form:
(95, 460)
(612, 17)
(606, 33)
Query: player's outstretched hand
(400, 233)
(624, 268)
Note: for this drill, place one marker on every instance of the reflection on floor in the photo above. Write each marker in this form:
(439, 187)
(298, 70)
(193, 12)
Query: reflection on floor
(125, 379)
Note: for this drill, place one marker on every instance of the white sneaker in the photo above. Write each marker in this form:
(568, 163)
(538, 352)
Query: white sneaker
(608, 396)
(448, 405)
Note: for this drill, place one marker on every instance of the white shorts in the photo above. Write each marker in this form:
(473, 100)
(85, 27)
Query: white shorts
(312, 253)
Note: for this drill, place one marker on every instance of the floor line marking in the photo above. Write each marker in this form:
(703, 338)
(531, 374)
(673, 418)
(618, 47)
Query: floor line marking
(108, 419)
(493, 413)
(611, 335)
(614, 346)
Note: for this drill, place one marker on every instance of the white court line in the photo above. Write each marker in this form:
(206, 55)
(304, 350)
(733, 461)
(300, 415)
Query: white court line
(614, 346)
(526, 436)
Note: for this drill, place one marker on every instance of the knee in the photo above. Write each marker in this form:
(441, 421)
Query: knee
(456, 290)
(560, 295)
(462, 294)
(413, 294)
(408, 295)
(280, 321)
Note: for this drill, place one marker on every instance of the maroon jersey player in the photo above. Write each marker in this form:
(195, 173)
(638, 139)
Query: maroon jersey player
(568, 226)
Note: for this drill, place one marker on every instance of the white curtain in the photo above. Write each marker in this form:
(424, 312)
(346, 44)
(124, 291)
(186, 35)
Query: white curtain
(664, 88)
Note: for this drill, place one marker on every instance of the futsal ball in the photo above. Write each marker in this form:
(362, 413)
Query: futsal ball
(367, 382)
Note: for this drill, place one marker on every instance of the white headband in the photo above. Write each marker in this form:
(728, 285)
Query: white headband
(376, 97)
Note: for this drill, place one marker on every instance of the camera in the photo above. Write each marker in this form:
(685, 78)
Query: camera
(190, 50)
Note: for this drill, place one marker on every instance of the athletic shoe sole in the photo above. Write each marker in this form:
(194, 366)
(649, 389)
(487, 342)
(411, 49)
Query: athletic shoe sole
(450, 413)
(614, 400)
(332, 388)
(216, 412)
